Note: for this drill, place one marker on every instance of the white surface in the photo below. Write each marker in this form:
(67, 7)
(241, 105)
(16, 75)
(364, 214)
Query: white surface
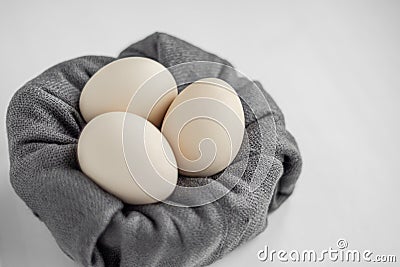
(333, 67)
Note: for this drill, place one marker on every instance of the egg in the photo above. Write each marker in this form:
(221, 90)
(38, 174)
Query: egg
(134, 84)
(205, 126)
(128, 157)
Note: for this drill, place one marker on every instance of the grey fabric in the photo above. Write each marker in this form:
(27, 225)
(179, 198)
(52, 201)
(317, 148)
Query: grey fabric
(96, 229)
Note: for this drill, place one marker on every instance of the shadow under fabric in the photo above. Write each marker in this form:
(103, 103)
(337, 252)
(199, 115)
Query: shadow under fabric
(96, 229)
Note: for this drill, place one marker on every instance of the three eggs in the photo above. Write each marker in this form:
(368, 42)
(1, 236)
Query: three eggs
(140, 132)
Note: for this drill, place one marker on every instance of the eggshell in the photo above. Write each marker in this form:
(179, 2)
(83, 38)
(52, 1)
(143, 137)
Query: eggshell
(128, 157)
(134, 84)
(204, 126)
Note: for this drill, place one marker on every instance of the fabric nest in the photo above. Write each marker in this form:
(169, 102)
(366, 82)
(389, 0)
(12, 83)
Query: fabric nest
(95, 228)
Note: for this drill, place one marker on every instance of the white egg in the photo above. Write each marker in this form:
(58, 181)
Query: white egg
(128, 157)
(134, 84)
(205, 126)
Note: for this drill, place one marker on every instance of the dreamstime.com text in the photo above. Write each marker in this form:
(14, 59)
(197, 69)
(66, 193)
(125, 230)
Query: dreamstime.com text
(339, 254)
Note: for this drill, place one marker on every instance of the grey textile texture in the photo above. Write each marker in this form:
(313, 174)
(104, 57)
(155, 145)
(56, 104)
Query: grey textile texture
(96, 229)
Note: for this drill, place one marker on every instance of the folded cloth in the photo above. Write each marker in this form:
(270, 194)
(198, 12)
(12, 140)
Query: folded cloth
(95, 228)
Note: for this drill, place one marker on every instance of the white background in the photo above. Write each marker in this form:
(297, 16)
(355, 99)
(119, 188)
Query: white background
(333, 67)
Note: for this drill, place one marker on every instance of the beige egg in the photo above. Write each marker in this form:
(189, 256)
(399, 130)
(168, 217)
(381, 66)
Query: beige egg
(128, 157)
(205, 126)
(134, 84)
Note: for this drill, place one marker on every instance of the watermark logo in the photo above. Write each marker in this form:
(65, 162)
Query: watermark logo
(227, 144)
(340, 253)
